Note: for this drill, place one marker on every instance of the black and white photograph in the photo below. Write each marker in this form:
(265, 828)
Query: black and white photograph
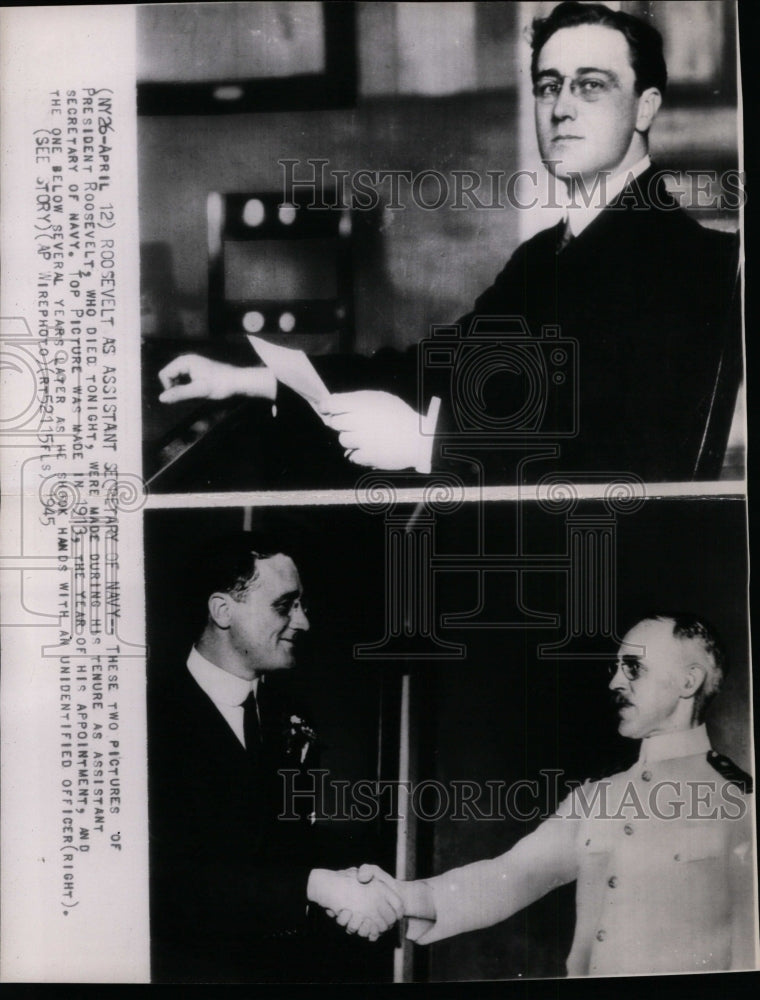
(563, 802)
(374, 573)
(491, 273)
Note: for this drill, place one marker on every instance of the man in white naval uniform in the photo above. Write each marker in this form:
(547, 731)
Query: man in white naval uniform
(662, 854)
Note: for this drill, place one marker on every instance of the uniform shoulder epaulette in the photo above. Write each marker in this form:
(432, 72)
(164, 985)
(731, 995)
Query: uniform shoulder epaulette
(730, 771)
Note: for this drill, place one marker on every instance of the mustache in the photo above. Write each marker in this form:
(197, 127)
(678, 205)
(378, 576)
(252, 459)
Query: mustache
(620, 700)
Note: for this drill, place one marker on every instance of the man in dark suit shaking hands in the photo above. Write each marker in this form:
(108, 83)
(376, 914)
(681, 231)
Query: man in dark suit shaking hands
(231, 884)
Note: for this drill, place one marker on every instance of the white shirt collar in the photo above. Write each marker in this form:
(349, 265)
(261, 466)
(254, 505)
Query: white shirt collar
(222, 687)
(681, 743)
(580, 216)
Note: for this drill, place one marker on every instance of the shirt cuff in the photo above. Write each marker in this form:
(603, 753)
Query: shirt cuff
(427, 436)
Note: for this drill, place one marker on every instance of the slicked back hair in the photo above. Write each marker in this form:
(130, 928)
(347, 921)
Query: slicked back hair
(229, 564)
(644, 40)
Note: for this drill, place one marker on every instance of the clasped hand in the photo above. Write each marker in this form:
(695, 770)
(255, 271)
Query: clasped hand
(376, 429)
(364, 901)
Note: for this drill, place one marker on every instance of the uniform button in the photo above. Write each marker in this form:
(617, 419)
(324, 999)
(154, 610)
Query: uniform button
(612, 881)
(601, 935)
(646, 776)
(628, 829)
(676, 857)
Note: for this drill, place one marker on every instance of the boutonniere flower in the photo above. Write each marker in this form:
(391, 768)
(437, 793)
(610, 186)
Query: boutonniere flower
(299, 738)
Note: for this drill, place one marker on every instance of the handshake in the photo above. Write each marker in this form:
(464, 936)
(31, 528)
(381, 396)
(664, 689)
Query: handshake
(365, 901)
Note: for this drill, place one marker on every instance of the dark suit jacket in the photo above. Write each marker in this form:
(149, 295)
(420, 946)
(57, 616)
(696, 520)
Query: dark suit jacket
(228, 881)
(646, 301)
(650, 299)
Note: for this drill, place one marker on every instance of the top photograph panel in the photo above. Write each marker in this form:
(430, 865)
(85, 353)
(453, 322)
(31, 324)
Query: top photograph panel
(495, 241)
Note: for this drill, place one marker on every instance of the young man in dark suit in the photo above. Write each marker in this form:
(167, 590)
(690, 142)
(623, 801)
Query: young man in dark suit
(231, 883)
(609, 344)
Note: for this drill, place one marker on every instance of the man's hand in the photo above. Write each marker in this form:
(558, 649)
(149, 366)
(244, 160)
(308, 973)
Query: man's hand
(416, 897)
(366, 909)
(377, 429)
(194, 377)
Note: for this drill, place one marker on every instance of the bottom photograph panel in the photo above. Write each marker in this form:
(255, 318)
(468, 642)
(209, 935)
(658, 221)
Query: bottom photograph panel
(449, 741)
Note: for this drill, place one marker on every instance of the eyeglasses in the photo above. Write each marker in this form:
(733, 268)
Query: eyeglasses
(631, 667)
(588, 88)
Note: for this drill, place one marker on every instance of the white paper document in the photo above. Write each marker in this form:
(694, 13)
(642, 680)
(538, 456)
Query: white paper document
(293, 369)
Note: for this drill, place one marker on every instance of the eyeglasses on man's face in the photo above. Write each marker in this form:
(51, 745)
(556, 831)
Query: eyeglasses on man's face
(631, 667)
(589, 87)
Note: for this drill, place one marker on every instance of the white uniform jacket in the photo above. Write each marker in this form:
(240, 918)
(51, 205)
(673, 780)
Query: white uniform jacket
(662, 855)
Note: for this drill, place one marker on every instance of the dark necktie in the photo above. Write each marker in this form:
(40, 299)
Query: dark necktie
(251, 728)
(565, 235)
